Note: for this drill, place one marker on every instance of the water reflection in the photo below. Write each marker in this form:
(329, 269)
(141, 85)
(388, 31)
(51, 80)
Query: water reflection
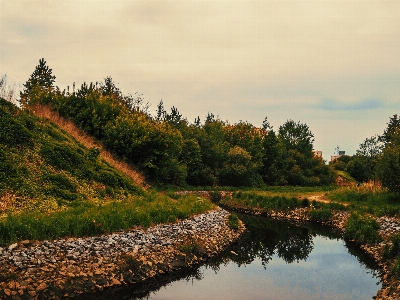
(281, 250)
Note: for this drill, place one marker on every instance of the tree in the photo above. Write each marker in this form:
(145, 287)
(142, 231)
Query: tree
(370, 149)
(238, 170)
(161, 113)
(296, 136)
(41, 78)
(391, 130)
(388, 167)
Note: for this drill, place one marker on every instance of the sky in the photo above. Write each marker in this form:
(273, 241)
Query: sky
(334, 65)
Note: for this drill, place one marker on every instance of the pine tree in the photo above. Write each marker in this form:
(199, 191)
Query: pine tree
(42, 77)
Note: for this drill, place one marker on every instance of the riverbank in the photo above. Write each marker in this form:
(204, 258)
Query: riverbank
(71, 267)
(388, 227)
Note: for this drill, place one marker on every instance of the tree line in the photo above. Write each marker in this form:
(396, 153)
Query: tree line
(171, 150)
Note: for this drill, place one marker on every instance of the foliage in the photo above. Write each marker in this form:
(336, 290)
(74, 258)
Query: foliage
(396, 268)
(274, 202)
(215, 196)
(97, 219)
(370, 199)
(233, 221)
(320, 215)
(42, 77)
(393, 250)
(389, 162)
(169, 150)
(362, 229)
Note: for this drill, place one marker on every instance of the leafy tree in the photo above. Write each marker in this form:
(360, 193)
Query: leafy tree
(389, 169)
(370, 150)
(238, 170)
(296, 136)
(42, 77)
(392, 130)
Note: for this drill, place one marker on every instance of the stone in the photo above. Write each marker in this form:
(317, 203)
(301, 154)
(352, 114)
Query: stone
(12, 247)
(41, 287)
(32, 293)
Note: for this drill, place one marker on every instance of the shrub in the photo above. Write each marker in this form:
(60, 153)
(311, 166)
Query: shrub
(362, 229)
(305, 202)
(396, 268)
(233, 221)
(320, 215)
(394, 250)
(215, 196)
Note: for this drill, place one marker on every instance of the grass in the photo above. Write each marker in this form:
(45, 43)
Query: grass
(233, 221)
(367, 199)
(53, 186)
(362, 229)
(92, 220)
(258, 200)
(320, 215)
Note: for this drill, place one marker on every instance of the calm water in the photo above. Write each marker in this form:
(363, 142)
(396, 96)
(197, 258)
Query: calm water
(274, 260)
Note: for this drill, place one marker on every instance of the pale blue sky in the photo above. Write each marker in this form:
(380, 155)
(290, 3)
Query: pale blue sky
(334, 65)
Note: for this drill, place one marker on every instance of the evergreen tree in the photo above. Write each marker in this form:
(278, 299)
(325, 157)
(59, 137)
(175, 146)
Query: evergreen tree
(41, 78)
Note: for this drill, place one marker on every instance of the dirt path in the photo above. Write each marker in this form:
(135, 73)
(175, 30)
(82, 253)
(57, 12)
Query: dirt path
(321, 198)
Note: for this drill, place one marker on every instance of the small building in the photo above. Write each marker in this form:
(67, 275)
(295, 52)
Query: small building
(335, 157)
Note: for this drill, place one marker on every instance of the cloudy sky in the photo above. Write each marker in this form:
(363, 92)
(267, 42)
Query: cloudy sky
(334, 65)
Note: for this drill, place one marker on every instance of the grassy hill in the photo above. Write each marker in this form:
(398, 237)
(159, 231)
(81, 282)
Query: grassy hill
(42, 168)
(53, 186)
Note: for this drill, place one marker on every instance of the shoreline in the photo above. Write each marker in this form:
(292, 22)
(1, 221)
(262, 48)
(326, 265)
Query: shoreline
(78, 266)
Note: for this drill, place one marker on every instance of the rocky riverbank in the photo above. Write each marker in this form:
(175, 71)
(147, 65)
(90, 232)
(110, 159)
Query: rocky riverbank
(75, 266)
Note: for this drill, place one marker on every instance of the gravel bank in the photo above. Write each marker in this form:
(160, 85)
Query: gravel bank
(70, 267)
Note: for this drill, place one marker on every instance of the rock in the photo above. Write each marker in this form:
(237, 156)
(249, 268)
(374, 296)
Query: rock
(12, 247)
(41, 287)
(32, 293)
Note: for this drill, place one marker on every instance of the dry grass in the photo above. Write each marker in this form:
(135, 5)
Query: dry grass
(45, 111)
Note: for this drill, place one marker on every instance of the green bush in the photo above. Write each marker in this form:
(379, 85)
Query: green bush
(215, 196)
(362, 229)
(396, 268)
(233, 221)
(12, 131)
(320, 215)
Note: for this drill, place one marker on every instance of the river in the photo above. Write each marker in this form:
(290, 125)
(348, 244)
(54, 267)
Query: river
(273, 260)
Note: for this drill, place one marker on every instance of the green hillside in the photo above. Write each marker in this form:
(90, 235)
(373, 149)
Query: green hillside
(51, 186)
(44, 169)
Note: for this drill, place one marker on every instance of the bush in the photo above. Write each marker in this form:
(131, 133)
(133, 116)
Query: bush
(215, 196)
(320, 215)
(362, 229)
(233, 221)
(396, 268)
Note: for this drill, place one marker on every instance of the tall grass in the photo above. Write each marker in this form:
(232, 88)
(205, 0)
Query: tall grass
(93, 220)
(369, 199)
(252, 199)
(362, 229)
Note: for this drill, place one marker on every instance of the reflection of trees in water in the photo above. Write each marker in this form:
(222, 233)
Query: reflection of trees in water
(265, 238)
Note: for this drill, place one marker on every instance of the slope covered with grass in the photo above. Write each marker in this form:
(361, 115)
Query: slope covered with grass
(44, 169)
(52, 186)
